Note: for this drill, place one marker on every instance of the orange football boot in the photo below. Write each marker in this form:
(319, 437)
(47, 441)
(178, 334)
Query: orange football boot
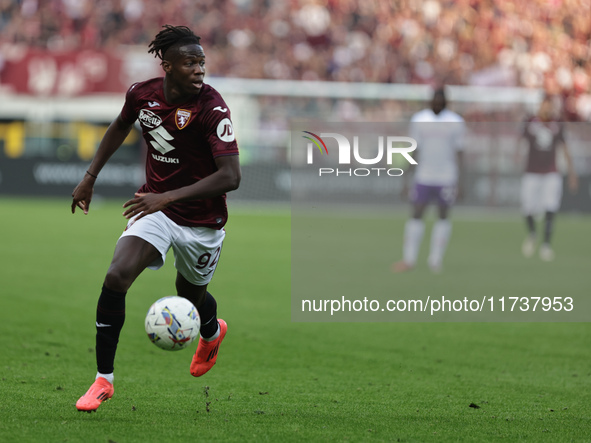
(100, 391)
(207, 352)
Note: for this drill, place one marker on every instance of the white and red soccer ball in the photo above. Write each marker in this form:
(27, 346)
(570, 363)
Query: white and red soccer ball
(172, 323)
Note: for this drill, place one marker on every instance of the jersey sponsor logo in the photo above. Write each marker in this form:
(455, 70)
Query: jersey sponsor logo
(161, 138)
(153, 104)
(163, 159)
(182, 118)
(149, 119)
(219, 108)
(226, 131)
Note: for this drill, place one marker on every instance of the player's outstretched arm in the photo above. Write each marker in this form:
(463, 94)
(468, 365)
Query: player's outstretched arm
(112, 140)
(225, 179)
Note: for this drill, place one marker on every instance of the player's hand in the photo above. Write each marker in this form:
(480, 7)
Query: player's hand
(82, 194)
(573, 182)
(144, 204)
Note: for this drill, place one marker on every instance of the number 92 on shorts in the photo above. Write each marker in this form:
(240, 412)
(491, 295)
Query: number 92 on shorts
(196, 249)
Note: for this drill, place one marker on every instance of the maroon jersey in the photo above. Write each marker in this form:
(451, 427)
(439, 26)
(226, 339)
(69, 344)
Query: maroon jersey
(183, 141)
(543, 139)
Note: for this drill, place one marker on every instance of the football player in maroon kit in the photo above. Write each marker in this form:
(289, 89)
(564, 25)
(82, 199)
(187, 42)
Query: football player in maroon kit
(192, 161)
(541, 186)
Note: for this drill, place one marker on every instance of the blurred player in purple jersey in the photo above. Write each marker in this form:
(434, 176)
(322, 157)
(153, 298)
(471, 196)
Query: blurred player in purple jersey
(192, 161)
(439, 133)
(541, 185)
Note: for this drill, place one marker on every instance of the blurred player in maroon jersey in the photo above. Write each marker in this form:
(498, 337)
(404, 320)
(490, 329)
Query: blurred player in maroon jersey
(541, 186)
(192, 161)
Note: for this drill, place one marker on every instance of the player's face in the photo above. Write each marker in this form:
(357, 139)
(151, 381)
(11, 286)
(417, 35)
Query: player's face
(187, 69)
(546, 110)
(438, 103)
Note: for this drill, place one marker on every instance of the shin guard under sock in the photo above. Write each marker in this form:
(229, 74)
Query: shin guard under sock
(110, 316)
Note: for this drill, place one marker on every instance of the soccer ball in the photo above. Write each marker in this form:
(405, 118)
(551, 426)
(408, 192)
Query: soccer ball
(172, 323)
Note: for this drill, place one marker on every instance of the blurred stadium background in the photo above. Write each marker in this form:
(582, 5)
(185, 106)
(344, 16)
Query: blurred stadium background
(65, 65)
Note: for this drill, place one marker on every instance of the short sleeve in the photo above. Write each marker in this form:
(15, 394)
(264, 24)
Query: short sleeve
(219, 130)
(129, 112)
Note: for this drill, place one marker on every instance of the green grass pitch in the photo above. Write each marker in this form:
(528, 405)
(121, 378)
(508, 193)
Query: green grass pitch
(276, 380)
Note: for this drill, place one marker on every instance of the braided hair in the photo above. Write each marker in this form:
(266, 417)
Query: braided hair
(172, 36)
